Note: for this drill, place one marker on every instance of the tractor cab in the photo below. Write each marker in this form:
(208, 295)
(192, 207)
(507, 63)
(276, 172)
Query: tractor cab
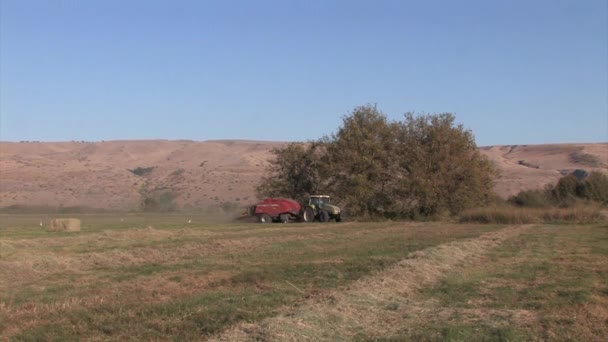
(319, 200)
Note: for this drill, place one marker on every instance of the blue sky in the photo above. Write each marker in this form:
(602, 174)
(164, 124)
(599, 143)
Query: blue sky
(514, 72)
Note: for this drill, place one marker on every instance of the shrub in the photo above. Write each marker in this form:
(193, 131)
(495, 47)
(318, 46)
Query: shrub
(178, 172)
(568, 192)
(163, 202)
(566, 188)
(149, 204)
(531, 198)
(579, 157)
(166, 202)
(141, 171)
(527, 164)
(595, 187)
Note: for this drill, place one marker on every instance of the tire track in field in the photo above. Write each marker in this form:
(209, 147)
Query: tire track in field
(369, 306)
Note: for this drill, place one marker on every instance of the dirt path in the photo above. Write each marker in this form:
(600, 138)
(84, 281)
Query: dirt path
(378, 305)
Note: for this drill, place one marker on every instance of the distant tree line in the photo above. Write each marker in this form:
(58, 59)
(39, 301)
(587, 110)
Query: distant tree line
(420, 166)
(570, 189)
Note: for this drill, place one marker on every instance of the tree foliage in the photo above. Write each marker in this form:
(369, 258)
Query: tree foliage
(294, 172)
(360, 160)
(595, 187)
(445, 171)
(569, 189)
(423, 165)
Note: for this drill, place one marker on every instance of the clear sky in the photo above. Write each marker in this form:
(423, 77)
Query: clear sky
(514, 72)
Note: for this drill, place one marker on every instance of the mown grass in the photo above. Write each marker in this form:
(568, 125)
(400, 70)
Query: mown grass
(547, 284)
(157, 277)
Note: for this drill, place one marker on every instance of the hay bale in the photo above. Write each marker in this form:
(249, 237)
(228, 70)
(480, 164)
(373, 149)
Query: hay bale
(65, 225)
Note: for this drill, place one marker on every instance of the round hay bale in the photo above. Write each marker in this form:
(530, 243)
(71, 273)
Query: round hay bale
(65, 225)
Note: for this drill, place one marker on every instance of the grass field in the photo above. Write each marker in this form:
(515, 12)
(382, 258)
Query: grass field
(158, 277)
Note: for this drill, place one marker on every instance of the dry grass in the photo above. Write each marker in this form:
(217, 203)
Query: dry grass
(548, 284)
(580, 214)
(372, 306)
(519, 284)
(352, 281)
(112, 281)
(64, 225)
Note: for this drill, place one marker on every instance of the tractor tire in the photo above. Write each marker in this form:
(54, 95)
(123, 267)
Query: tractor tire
(284, 218)
(339, 218)
(324, 216)
(308, 215)
(264, 218)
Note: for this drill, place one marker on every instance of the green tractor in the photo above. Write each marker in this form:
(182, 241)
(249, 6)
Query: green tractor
(319, 208)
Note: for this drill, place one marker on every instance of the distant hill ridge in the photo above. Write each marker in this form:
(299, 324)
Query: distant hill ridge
(199, 174)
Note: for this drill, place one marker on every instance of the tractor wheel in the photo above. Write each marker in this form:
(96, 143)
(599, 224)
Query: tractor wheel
(324, 216)
(284, 218)
(309, 215)
(339, 218)
(265, 218)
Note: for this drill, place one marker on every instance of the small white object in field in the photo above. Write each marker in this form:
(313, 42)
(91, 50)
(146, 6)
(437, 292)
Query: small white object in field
(190, 221)
(40, 223)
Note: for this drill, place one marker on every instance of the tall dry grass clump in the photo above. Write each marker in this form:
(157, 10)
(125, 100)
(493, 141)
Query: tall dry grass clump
(64, 225)
(581, 213)
(579, 197)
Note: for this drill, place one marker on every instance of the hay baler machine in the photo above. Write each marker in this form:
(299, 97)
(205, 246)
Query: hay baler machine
(286, 210)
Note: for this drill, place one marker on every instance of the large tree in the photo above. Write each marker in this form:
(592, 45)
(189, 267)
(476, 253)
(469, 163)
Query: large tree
(294, 172)
(360, 161)
(440, 167)
(424, 165)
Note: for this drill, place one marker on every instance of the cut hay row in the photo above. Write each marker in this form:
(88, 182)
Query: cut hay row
(116, 249)
(187, 283)
(375, 305)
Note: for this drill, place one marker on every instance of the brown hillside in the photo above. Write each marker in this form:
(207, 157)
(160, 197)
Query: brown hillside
(97, 174)
(207, 173)
(523, 167)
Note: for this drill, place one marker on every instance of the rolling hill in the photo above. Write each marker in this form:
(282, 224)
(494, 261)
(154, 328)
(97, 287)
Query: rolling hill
(199, 174)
